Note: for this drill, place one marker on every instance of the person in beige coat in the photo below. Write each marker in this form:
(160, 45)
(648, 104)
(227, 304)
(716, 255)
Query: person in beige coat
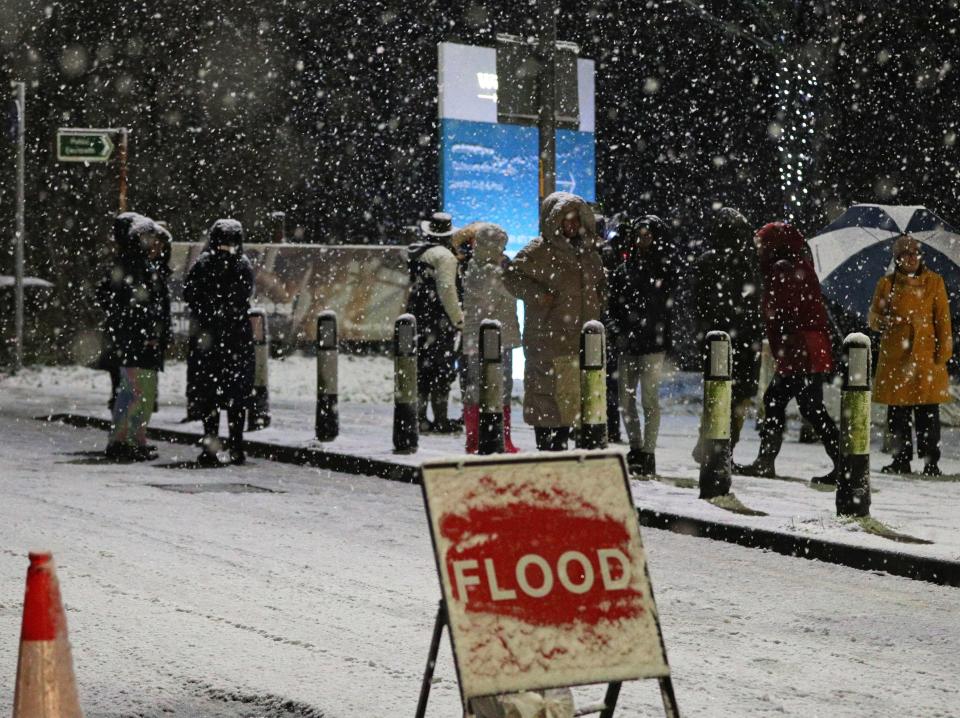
(479, 246)
(559, 277)
(912, 314)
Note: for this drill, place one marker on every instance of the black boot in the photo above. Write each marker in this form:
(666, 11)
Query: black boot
(771, 439)
(641, 462)
(829, 479)
(442, 424)
(931, 469)
(211, 440)
(897, 466)
(423, 401)
(762, 467)
(551, 438)
(235, 420)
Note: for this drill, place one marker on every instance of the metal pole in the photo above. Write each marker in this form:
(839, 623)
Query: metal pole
(490, 429)
(438, 625)
(853, 482)
(406, 426)
(123, 168)
(593, 387)
(19, 241)
(717, 395)
(328, 414)
(546, 95)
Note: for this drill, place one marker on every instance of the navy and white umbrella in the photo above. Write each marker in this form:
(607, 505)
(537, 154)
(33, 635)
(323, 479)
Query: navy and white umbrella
(854, 251)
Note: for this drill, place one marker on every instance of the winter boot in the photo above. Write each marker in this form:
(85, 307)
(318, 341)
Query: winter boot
(508, 446)
(118, 451)
(931, 469)
(897, 466)
(636, 462)
(425, 426)
(770, 442)
(144, 453)
(762, 467)
(827, 479)
(648, 464)
(208, 458)
(471, 422)
(441, 423)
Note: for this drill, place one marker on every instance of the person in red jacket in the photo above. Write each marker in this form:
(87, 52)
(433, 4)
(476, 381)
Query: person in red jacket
(797, 327)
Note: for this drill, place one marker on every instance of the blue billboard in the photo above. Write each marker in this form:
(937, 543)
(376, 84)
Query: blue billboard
(489, 171)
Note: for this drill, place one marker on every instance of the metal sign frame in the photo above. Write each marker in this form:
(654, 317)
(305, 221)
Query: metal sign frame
(468, 474)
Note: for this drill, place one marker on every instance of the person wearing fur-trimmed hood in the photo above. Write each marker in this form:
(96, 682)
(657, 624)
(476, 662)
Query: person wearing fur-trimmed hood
(480, 247)
(559, 277)
(911, 311)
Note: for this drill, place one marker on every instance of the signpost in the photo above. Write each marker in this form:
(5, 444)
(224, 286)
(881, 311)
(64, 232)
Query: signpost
(544, 576)
(81, 144)
(21, 111)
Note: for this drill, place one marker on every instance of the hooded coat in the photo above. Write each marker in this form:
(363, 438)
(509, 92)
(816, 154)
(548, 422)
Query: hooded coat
(218, 289)
(727, 290)
(562, 285)
(135, 298)
(641, 295)
(794, 312)
(917, 341)
(485, 296)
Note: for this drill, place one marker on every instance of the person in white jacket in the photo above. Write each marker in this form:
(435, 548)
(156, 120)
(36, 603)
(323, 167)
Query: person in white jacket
(480, 246)
(434, 301)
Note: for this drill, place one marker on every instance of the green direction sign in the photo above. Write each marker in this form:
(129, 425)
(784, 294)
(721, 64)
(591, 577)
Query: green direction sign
(83, 145)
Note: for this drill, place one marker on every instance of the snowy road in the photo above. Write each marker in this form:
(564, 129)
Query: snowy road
(318, 600)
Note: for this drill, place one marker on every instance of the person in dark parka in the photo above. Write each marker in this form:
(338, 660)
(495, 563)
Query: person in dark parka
(612, 256)
(108, 360)
(727, 290)
(435, 302)
(137, 300)
(640, 310)
(218, 289)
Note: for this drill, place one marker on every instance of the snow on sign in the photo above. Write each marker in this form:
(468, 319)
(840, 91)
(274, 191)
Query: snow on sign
(543, 572)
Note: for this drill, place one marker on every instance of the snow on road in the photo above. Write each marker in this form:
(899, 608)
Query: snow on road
(318, 600)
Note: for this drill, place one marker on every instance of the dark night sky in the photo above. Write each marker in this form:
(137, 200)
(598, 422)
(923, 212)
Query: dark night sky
(328, 110)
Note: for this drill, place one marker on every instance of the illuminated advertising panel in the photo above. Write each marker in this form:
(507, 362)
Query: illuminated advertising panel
(489, 170)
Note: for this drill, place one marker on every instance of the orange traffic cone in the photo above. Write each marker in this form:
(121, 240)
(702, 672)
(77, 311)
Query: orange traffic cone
(46, 687)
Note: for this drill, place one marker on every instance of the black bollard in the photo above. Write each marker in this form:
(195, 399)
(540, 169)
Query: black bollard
(491, 389)
(258, 415)
(717, 396)
(593, 387)
(406, 429)
(853, 482)
(328, 413)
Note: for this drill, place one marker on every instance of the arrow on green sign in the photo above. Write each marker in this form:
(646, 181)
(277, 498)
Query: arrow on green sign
(84, 146)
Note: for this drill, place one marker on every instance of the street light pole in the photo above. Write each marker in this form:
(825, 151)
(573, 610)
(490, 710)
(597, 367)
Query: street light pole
(19, 240)
(546, 93)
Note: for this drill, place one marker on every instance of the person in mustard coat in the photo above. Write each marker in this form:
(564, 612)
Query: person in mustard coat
(912, 314)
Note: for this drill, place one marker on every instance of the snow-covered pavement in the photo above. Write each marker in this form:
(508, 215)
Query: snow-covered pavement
(924, 509)
(319, 600)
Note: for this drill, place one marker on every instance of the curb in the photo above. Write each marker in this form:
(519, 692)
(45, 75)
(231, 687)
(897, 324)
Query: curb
(919, 568)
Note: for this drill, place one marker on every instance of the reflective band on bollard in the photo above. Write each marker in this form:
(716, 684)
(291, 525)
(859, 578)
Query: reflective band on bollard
(593, 387)
(716, 467)
(491, 389)
(406, 428)
(328, 412)
(258, 416)
(853, 482)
